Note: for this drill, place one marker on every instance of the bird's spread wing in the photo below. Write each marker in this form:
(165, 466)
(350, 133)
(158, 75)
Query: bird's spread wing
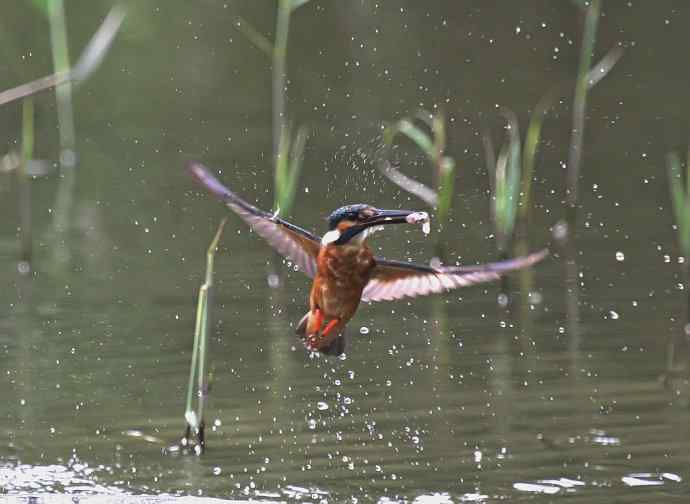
(396, 280)
(298, 245)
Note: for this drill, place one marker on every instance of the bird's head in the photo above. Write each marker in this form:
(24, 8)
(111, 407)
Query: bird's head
(355, 222)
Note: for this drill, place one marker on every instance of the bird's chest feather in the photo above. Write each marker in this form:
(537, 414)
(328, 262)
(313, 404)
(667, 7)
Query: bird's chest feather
(342, 274)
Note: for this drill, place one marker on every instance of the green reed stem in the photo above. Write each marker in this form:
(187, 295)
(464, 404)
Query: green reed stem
(579, 107)
(287, 158)
(505, 178)
(197, 371)
(680, 199)
(280, 75)
(288, 168)
(433, 145)
(67, 180)
(529, 154)
(24, 186)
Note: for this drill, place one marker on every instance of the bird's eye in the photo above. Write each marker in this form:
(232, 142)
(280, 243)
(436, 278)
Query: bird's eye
(367, 213)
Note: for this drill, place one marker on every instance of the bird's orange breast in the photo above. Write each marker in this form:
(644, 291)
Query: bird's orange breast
(343, 271)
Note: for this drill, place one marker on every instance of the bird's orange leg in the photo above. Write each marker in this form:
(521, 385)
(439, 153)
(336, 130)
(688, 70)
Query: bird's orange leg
(329, 327)
(315, 321)
(313, 328)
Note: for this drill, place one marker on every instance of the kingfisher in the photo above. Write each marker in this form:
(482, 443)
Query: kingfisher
(343, 268)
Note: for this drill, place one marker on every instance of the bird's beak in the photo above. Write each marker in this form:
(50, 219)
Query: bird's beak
(383, 217)
(377, 220)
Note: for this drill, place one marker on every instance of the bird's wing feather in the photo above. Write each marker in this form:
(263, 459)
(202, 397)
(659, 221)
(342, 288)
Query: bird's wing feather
(293, 242)
(395, 279)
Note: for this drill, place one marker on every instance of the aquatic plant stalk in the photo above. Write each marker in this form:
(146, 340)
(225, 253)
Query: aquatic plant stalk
(280, 76)
(287, 153)
(579, 107)
(24, 187)
(197, 370)
(504, 175)
(433, 146)
(287, 169)
(61, 63)
(89, 60)
(67, 159)
(680, 199)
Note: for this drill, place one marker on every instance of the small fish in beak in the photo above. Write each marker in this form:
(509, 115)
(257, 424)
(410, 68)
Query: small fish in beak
(420, 218)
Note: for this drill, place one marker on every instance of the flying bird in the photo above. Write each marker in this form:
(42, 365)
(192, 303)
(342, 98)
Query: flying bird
(343, 268)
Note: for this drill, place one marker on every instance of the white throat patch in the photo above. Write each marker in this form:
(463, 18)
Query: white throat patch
(330, 237)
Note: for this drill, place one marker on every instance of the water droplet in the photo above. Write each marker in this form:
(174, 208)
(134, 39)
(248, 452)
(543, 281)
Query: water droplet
(364, 330)
(620, 256)
(614, 315)
(311, 424)
(535, 298)
(273, 281)
(321, 406)
(217, 470)
(560, 230)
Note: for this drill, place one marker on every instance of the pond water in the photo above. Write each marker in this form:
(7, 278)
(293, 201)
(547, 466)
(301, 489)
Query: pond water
(446, 399)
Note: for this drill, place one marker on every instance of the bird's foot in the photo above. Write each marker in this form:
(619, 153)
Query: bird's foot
(319, 340)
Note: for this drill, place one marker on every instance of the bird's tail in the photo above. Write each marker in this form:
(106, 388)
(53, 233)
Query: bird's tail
(335, 347)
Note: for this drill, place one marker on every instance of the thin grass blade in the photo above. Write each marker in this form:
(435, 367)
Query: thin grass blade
(24, 187)
(529, 151)
(96, 49)
(580, 104)
(490, 157)
(197, 370)
(423, 192)
(604, 66)
(87, 64)
(500, 191)
(446, 187)
(420, 138)
(295, 168)
(254, 36)
(508, 179)
(296, 4)
(680, 201)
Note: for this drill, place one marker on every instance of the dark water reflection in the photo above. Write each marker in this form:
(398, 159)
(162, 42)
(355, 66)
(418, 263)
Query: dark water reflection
(438, 399)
